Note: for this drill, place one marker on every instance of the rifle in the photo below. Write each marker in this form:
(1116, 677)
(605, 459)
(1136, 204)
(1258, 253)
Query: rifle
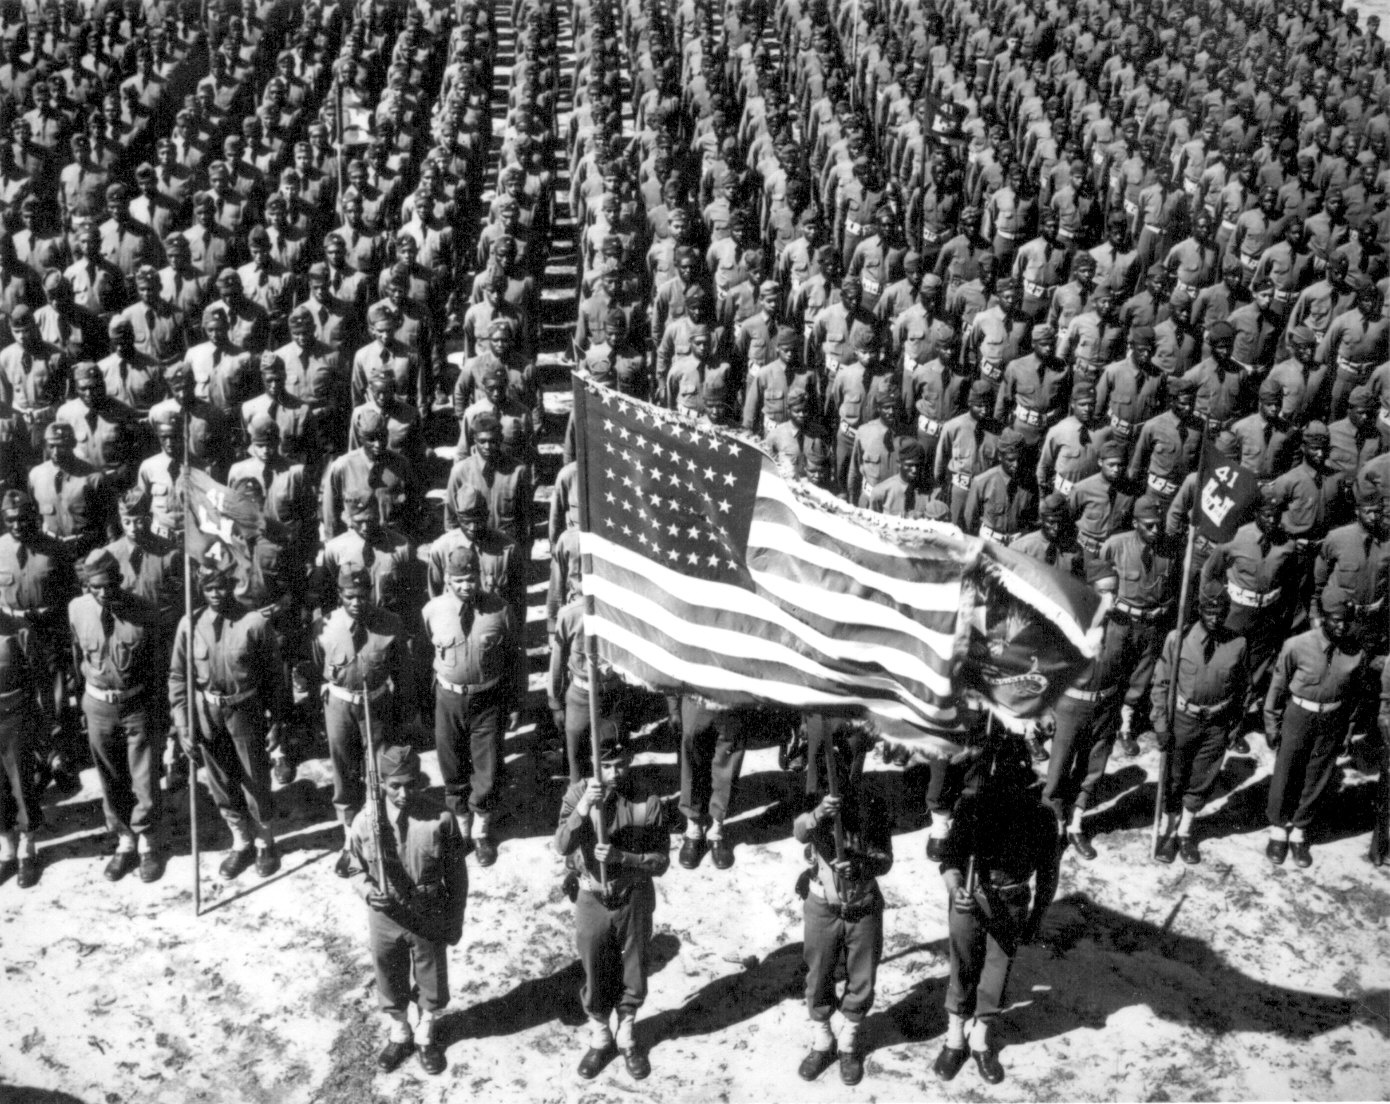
(373, 793)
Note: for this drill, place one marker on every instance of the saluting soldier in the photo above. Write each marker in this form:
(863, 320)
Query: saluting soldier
(237, 685)
(1210, 666)
(480, 682)
(114, 637)
(358, 654)
(1315, 678)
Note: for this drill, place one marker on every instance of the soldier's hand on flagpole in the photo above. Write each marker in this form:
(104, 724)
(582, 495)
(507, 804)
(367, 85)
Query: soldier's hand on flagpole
(828, 807)
(963, 902)
(592, 795)
(378, 900)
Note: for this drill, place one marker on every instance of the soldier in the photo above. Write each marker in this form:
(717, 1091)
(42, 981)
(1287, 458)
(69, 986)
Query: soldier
(1144, 601)
(22, 690)
(358, 655)
(476, 664)
(418, 914)
(1054, 541)
(969, 444)
(235, 663)
(1002, 504)
(1209, 663)
(375, 470)
(1086, 719)
(385, 554)
(505, 484)
(114, 650)
(1009, 834)
(71, 494)
(36, 583)
(611, 886)
(284, 485)
(1305, 714)
(1169, 444)
(849, 844)
(500, 567)
(1101, 504)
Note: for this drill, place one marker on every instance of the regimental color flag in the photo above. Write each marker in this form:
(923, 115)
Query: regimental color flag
(218, 515)
(1225, 493)
(707, 572)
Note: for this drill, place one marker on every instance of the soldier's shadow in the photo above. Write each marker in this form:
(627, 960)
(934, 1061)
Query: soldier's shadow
(538, 1001)
(730, 999)
(1093, 962)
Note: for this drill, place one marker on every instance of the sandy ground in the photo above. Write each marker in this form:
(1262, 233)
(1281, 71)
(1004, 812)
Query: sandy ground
(1225, 981)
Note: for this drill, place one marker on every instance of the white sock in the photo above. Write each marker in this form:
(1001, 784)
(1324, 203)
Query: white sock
(979, 1035)
(849, 1036)
(626, 1029)
(27, 848)
(424, 1030)
(693, 830)
(479, 829)
(821, 1037)
(7, 846)
(125, 843)
(1189, 817)
(716, 830)
(241, 838)
(940, 827)
(1278, 833)
(145, 844)
(398, 1027)
(1296, 835)
(1076, 815)
(955, 1031)
(600, 1037)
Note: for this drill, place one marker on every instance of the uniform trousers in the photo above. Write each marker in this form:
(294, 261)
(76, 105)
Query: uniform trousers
(711, 760)
(982, 945)
(1080, 751)
(829, 938)
(1141, 642)
(20, 808)
(127, 754)
(1304, 765)
(1199, 749)
(236, 761)
(345, 723)
(613, 944)
(468, 733)
(396, 952)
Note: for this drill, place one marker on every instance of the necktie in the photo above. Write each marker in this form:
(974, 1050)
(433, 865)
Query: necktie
(59, 478)
(137, 557)
(108, 622)
(368, 554)
(273, 410)
(217, 623)
(1050, 556)
(358, 632)
(21, 555)
(1208, 648)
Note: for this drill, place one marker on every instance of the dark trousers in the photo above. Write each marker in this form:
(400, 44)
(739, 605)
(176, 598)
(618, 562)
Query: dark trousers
(397, 951)
(1142, 640)
(828, 939)
(612, 946)
(1304, 765)
(1199, 749)
(1080, 751)
(127, 755)
(982, 950)
(468, 737)
(711, 760)
(345, 725)
(237, 763)
(20, 809)
(577, 741)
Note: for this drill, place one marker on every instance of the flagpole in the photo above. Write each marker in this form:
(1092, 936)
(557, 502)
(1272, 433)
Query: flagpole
(1170, 707)
(590, 644)
(188, 671)
(833, 788)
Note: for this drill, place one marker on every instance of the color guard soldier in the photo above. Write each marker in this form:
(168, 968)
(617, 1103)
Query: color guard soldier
(480, 681)
(237, 684)
(1315, 677)
(358, 654)
(418, 914)
(1209, 663)
(114, 636)
(1007, 831)
(614, 901)
(844, 908)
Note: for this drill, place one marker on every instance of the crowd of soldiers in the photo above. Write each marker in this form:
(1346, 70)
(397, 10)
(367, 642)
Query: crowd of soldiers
(1010, 267)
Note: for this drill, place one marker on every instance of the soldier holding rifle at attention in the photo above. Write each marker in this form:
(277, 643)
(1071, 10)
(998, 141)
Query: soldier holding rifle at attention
(408, 862)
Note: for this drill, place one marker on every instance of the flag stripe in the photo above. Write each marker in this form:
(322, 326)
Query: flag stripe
(762, 623)
(688, 670)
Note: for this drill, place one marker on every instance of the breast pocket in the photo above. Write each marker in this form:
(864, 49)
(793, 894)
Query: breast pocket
(123, 656)
(202, 660)
(447, 645)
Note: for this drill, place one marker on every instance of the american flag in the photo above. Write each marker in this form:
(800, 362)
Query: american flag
(708, 572)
